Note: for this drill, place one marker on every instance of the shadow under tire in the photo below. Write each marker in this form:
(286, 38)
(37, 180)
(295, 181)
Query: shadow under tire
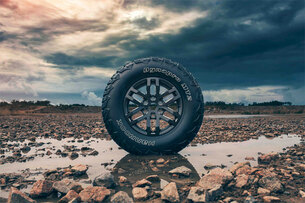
(152, 106)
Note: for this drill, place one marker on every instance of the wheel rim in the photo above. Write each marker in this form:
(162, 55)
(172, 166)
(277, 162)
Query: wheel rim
(153, 106)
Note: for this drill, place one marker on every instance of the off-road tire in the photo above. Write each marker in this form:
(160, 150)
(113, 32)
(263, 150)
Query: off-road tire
(187, 110)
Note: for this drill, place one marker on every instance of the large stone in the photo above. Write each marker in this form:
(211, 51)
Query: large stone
(214, 193)
(105, 179)
(18, 196)
(214, 178)
(94, 194)
(153, 178)
(197, 194)
(79, 169)
(121, 197)
(142, 183)
(238, 165)
(65, 185)
(139, 193)
(271, 199)
(263, 191)
(267, 158)
(244, 170)
(241, 180)
(41, 188)
(70, 196)
(170, 193)
(182, 170)
(271, 183)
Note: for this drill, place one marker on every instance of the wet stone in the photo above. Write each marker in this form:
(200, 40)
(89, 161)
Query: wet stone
(105, 179)
(170, 193)
(70, 196)
(139, 193)
(18, 196)
(182, 170)
(121, 197)
(65, 185)
(94, 194)
(41, 188)
(197, 194)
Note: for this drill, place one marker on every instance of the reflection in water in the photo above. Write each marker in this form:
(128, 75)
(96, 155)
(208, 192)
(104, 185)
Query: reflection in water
(136, 168)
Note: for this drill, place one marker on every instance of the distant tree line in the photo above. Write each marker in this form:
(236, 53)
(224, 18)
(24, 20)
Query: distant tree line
(26, 103)
(224, 104)
(67, 106)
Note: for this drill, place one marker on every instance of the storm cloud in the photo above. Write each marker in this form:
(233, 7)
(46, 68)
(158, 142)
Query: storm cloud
(239, 51)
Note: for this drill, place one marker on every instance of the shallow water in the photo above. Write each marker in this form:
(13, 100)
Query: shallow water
(137, 167)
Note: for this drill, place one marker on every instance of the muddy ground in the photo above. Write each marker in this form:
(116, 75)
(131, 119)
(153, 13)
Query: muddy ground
(41, 151)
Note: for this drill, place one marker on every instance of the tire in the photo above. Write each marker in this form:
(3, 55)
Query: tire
(152, 106)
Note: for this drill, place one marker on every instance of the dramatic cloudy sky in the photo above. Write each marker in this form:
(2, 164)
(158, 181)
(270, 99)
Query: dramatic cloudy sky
(65, 51)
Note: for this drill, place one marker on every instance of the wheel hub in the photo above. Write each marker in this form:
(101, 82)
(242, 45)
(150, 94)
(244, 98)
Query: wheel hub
(153, 106)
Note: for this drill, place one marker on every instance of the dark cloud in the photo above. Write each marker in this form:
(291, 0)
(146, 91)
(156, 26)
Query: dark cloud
(67, 60)
(239, 44)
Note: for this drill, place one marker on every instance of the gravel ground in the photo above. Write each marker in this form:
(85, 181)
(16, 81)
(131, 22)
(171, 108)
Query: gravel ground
(278, 177)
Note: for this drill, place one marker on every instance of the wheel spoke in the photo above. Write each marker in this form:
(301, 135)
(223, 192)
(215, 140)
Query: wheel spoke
(137, 92)
(168, 92)
(148, 126)
(148, 84)
(157, 130)
(157, 87)
(169, 110)
(134, 111)
(137, 120)
(135, 101)
(171, 101)
(168, 120)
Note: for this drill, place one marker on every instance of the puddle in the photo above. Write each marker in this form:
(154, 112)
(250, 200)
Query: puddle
(236, 116)
(138, 167)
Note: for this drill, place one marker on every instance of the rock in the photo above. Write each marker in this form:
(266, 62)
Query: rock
(209, 166)
(271, 183)
(105, 179)
(214, 193)
(170, 193)
(41, 188)
(73, 155)
(70, 196)
(182, 170)
(302, 193)
(79, 169)
(263, 191)
(241, 180)
(271, 199)
(228, 199)
(267, 158)
(65, 185)
(121, 197)
(153, 178)
(244, 170)
(18, 196)
(250, 199)
(237, 166)
(94, 194)
(93, 153)
(142, 183)
(139, 193)
(214, 178)
(197, 194)
(250, 158)
(160, 161)
(122, 179)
